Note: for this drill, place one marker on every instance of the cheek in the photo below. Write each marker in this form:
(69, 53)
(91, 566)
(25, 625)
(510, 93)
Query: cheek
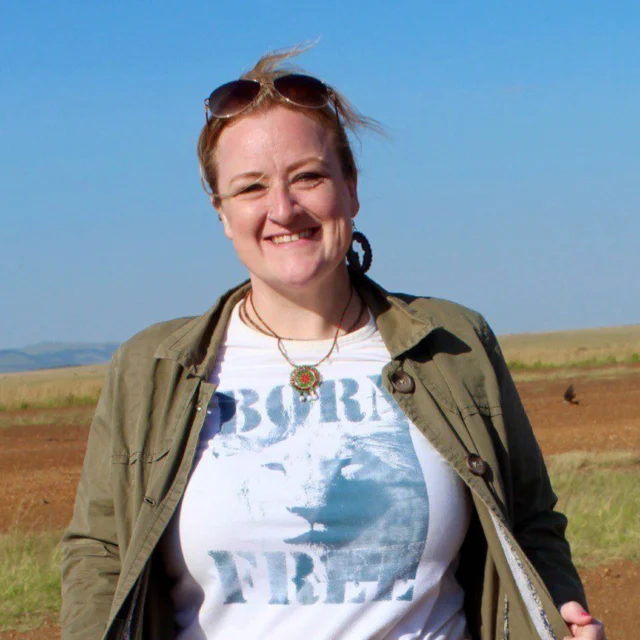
(335, 203)
(239, 226)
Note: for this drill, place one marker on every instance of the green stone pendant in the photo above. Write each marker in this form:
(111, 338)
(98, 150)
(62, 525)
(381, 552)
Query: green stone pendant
(306, 380)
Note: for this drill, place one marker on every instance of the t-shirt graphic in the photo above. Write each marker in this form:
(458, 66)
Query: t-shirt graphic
(351, 499)
(331, 519)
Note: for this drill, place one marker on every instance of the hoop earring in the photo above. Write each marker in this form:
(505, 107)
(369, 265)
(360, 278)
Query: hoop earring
(353, 258)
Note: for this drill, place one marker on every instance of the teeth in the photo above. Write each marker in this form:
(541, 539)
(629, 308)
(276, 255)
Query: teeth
(291, 238)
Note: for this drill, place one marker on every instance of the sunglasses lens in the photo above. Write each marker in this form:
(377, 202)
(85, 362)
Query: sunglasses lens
(303, 91)
(232, 98)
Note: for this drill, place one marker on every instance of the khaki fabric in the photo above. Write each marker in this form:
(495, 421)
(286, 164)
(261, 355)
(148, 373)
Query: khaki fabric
(515, 563)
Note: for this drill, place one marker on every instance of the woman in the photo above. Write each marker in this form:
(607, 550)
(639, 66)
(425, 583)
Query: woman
(313, 456)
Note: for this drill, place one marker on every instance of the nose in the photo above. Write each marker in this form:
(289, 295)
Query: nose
(283, 207)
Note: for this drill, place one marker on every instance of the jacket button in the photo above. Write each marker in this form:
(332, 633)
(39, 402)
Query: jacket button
(199, 408)
(476, 464)
(402, 382)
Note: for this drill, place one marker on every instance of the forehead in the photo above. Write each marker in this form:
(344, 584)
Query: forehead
(276, 135)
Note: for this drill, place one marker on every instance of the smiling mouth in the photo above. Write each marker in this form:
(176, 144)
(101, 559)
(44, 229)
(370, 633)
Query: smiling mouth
(292, 237)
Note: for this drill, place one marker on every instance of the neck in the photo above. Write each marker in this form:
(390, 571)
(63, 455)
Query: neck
(305, 314)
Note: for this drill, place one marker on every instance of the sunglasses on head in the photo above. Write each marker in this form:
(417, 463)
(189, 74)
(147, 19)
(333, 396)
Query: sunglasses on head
(234, 97)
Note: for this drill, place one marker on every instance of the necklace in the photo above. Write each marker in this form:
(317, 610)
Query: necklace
(305, 378)
(246, 318)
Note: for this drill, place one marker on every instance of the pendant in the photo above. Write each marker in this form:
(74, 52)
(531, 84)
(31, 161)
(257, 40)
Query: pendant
(306, 380)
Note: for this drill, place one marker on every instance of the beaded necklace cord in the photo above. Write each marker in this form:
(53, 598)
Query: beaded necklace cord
(305, 378)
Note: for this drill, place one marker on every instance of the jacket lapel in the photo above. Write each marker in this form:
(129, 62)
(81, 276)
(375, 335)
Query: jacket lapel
(445, 405)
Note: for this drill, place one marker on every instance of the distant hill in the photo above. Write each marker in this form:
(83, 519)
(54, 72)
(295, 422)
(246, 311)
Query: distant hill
(606, 345)
(51, 355)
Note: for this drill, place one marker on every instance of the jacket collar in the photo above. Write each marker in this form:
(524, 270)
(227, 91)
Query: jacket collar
(402, 323)
(195, 344)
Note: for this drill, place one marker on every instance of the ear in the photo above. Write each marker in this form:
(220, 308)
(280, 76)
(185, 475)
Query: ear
(352, 185)
(225, 223)
(216, 203)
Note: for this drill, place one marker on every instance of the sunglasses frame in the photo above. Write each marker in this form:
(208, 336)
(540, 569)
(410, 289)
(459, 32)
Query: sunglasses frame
(330, 95)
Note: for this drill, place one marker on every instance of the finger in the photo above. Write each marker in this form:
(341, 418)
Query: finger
(590, 632)
(574, 613)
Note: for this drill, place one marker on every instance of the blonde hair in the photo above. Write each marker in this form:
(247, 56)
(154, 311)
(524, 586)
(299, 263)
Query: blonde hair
(339, 116)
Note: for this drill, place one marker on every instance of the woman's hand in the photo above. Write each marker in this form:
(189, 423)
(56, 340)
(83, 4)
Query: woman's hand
(581, 624)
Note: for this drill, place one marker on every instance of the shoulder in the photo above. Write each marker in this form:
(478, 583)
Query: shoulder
(190, 342)
(441, 308)
(451, 316)
(414, 315)
(149, 339)
(140, 349)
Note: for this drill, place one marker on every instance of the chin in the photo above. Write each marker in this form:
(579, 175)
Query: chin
(298, 279)
(298, 272)
(294, 283)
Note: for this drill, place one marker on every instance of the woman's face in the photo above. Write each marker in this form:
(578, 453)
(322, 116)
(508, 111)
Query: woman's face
(286, 205)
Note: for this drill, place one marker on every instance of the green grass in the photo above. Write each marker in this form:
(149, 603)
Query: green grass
(576, 374)
(519, 365)
(29, 579)
(58, 402)
(600, 494)
(71, 417)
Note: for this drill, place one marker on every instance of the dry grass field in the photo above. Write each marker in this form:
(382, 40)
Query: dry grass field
(611, 345)
(71, 386)
(592, 449)
(526, 353)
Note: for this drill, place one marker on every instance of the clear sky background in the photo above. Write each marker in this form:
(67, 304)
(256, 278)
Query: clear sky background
(510, 181)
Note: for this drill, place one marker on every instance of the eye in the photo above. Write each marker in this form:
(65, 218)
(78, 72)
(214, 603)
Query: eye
(308, 178)
(275, 466)
(253, 189)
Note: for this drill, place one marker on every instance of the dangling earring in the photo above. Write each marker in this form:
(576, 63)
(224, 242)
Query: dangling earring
(360, 265)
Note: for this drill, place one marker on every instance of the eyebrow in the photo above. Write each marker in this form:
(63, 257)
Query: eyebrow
(297, 165)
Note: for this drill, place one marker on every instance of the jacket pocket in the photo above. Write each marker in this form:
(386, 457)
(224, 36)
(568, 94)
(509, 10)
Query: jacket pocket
(143, 456)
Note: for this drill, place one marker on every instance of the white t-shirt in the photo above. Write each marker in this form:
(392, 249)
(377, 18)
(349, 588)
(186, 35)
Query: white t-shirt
(326, 519)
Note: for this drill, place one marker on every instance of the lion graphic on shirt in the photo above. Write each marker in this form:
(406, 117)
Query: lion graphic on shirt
(347, 495)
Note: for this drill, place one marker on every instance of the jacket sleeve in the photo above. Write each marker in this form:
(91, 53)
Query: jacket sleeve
(539, 529)
(90, 554)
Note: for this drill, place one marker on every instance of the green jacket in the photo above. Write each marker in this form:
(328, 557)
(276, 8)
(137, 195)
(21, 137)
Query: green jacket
(446, 373)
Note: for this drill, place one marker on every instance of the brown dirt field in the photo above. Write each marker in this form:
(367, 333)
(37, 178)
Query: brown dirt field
(607, 417)
(41, 466)
(48, 631)
(40, 472)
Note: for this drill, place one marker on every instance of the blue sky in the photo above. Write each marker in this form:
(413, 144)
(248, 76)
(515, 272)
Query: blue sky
(510, 181)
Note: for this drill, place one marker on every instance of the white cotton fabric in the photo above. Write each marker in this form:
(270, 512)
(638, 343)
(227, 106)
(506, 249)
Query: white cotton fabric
(329, 519)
